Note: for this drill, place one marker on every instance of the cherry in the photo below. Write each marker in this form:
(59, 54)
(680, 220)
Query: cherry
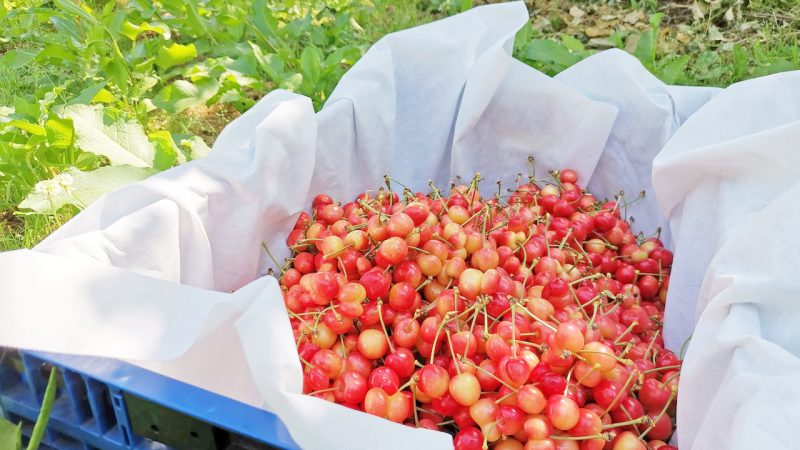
(468, 438)
(465, 388)
(562, 411)
(351, 387)
(433, 380)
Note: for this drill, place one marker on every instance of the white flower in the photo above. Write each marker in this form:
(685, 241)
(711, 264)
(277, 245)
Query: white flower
(64, 180)
(50, 188)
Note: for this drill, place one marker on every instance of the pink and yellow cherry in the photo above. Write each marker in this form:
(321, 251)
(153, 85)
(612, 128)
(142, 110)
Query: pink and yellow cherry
(562, 412)
(465, 388)
(434, 381)
(628, 441)
(372, 343)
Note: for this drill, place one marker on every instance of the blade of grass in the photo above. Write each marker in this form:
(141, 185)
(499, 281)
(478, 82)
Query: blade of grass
(44, 413)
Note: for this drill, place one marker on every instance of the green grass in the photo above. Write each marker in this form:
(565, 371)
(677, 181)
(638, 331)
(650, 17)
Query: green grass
(183, 69)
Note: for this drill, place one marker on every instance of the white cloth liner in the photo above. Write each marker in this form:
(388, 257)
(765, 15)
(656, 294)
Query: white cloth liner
(142, 273)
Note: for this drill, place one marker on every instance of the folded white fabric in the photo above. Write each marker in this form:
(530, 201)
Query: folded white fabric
(143, 273)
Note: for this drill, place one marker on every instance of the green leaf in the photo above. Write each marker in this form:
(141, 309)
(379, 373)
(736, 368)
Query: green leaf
(115, 67)
(310, 61)
(16, 59)
(44, 413)
(545, 50)
(87, 95)
(264, 21)
(465, 5)
(79, 188)
(271, 64)
(56, 52)
(60, 132)
(183, 94)
(292, 82)
(32, 128)
(781, 65)
(10, 435)
(740, 60)
(645, 50)
(132, 31)
(176, 54)
(673, 71)
(81, 11)
(167, 153)
(571, 43)
(196, 147)
(122, 142)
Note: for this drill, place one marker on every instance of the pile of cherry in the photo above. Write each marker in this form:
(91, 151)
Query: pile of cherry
(526, 320)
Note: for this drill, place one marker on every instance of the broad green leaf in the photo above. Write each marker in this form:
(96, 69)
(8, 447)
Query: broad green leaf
(132, 31)
(571, 43)
(523, 36)
(196, 147)
(87, 95)
(176, 54)
(115, 67)
(122, 142)
(465, 5)
(740, 60)
(645, 50)
(183, 94)
(57, 52)
(32, 128)
(44, 413)
(673, 71)
(31, 110)
(271, 63)
(15, 59)
(545, 50)
(81, 11)
(10, 435)
(103, 96)
(60, 132)
(292, 82)
(75, 187)
(781, 65)
(264, 21)
(167, 153)
(310, 61)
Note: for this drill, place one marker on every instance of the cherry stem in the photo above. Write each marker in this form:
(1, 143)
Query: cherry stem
(411, 381)
(337, 252)
(383, 325)
(500, 400)
(419, 250)
(536, 318)
(416, 415)
(624, 389)
(447, 318)
(569, 375)
(672, 393)
(586, 375)
(663, 368)
(425, 283)
(604, 436)
(452, 352)
(627, 330)
(323, 390)
(587, 277)
(492, 375)
(513, 329)
(650, 347)
(275, 261)
(638, 421)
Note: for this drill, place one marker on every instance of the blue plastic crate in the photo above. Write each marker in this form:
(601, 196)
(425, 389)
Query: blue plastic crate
(111, 405)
